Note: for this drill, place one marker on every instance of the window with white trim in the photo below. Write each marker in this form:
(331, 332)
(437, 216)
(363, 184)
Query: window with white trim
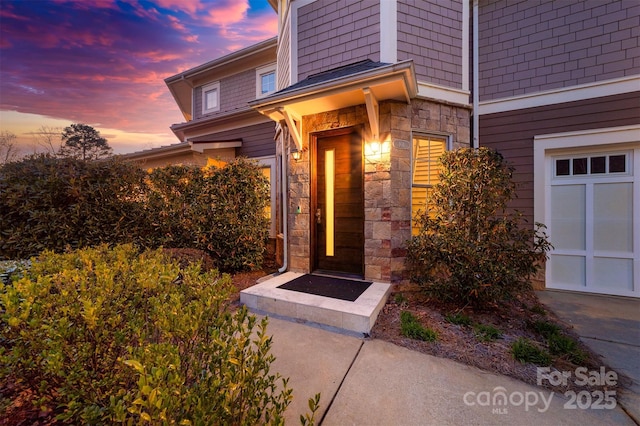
(211, 98)
(265, 80)
(426, 168)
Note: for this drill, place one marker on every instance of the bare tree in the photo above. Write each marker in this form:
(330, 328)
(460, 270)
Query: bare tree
(8, 147)
(48, 138)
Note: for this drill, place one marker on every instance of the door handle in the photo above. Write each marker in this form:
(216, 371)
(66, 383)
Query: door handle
(318, 216)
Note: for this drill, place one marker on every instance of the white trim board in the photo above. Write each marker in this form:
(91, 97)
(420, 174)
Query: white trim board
(566, 94)
(449, 94)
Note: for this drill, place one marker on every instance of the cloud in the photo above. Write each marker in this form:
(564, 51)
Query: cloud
(107, 63)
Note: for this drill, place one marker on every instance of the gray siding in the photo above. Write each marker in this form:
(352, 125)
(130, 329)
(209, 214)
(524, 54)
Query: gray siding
(235, 91)
(430, 33)
(511, 133)
(533, 45)
(284, 51)
(257, 140)
(332, 33)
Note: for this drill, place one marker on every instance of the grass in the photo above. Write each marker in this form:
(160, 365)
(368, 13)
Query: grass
(486, 332)
(559, 344)
(525, 351)
(410, 327)
(545, 329)
(459, 319)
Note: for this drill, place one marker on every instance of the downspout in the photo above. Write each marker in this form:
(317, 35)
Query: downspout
(285, 202)
(476, 79)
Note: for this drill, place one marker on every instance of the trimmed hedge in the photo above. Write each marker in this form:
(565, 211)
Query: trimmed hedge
(61, 203)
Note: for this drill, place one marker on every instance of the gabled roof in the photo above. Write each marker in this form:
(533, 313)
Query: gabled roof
(334, 74)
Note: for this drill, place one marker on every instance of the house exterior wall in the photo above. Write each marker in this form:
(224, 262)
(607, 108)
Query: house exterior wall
(283, 73)
(387, 181)
(511, 133)
(235, 91)
(257, 140)
(528, 46)
(430, 33)
(332, 33)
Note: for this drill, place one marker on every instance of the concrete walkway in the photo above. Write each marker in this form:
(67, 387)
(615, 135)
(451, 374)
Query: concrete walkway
(610, 326)
(372, 382)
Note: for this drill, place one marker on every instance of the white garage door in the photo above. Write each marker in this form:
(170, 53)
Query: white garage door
(591, 222)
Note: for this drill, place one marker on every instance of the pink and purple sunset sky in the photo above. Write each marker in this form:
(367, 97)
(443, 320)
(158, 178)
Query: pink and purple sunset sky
(103, 62)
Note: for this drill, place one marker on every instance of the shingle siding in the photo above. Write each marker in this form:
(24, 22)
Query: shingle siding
(332, 33)
(430, 33)
(238, 89)
(533, 45)
(235, 91)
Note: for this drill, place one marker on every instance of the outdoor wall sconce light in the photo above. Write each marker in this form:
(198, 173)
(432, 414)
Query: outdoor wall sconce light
(376, 148)
(295, 155)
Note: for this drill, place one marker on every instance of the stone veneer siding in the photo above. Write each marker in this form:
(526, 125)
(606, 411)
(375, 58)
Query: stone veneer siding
(387, 181)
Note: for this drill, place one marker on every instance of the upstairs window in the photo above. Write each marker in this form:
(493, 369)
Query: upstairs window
(211, 98)
(426, 168)
(265, 80)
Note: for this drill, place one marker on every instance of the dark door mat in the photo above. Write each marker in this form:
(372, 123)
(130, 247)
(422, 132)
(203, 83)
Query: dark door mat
(336, 288)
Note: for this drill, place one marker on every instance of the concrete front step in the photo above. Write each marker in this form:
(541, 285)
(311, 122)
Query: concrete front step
(358, 317)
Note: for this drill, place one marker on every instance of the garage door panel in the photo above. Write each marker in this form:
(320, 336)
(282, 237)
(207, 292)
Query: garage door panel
(613, 273)
(568, 271)
(568, 218)
(613, 217)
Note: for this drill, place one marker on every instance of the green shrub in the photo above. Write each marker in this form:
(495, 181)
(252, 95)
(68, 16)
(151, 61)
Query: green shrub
(59, 203)
(486, 332)
(411, 328)
(109, 335)
(470, 247)
(459, 319)
(526, 351)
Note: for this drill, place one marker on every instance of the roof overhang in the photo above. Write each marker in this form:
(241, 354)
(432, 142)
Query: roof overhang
(181, 85)
(187, 147)
(388, 82)
(235, 119)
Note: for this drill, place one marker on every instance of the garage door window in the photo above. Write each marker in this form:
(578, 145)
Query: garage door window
(592, 165)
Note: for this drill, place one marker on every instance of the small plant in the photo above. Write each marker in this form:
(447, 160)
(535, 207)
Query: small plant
(400, 299)
(309, 419)
(459, 319)
(486, 332)
(525, 351)
(560, 344)
(545, 329)
(411, 328)
(538, 309)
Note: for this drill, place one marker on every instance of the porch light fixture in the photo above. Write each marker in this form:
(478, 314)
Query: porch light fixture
(295, 155)
(374, 146)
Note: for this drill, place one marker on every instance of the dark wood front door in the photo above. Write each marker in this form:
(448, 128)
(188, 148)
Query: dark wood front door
(338, 215)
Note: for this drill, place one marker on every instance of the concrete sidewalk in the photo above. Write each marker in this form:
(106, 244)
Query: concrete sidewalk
(610, 326)
(372, 382)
